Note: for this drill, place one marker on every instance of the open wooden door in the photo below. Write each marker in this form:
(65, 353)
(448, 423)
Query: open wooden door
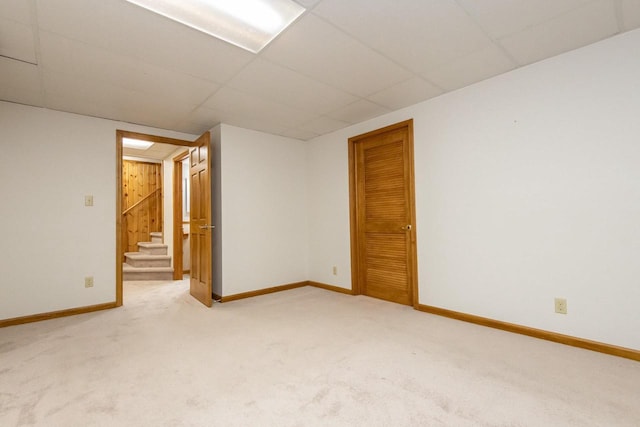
(200, 227)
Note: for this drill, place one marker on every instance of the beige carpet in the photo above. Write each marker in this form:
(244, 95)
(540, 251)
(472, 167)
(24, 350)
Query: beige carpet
(305, 357)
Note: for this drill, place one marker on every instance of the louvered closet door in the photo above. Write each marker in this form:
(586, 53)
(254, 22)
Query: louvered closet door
(384, 214)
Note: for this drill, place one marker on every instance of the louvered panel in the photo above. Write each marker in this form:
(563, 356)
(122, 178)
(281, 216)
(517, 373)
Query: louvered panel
(383, 194)
(385, 245)
(386, 266)
(384, 183)
(386, 278)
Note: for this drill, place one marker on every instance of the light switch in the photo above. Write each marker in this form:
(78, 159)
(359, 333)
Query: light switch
(88, 200)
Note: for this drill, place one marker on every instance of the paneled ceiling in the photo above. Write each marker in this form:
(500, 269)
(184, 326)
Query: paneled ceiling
(342, 62)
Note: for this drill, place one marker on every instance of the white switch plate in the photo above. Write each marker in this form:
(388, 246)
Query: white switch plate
(88, 200)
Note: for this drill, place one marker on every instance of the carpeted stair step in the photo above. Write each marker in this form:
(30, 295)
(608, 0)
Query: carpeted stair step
(140, 259)
(152, 248)
(130, 273)
(156, 237)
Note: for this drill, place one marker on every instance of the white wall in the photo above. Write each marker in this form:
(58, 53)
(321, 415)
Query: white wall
(50, 241)
(264, 210)
(167, 201)
(527, 188)
(216, 209)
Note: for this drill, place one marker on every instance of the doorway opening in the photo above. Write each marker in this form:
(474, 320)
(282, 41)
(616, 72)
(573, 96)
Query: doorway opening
(181, 215)
(145, 166)
(382, 213)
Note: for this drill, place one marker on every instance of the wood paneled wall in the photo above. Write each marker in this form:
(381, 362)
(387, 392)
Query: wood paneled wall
(141, 202)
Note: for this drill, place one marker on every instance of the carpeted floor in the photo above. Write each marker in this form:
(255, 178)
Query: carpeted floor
(305, 357)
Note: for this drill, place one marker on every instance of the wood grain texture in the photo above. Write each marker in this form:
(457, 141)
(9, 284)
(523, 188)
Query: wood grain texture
(119, 244)
(178, 231)
(56, 314)
(383, 248)
(330, 287)
(200, 211)
(155, 138)
(535, 333)
(265, 291)
(141, 202)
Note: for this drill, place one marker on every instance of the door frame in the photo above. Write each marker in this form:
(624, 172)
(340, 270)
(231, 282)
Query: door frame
(357, 286)
(120, 134)
(178, 232)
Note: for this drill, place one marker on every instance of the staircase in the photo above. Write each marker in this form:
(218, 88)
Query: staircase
(151, 262)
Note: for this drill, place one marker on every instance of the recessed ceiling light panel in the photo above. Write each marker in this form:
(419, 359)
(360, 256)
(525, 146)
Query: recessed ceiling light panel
(138, 144)
(249, 24)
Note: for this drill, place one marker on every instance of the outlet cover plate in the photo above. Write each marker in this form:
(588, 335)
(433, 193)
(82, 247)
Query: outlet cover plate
(561, 305)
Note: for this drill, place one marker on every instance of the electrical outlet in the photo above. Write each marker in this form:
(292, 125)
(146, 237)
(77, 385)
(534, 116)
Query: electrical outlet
(561, 305)
(88, 282)
(335, 270)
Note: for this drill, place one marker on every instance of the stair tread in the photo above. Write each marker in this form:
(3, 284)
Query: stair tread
(152, 245)
(131, 269)
(144, 256)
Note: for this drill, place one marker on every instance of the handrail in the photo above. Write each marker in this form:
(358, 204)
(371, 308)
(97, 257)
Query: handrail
(135, 205)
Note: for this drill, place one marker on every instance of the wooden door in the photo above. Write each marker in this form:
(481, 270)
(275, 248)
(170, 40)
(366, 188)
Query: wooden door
(382, 214)
(200, 227)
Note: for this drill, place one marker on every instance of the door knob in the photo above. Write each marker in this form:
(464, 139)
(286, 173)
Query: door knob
(406, 227)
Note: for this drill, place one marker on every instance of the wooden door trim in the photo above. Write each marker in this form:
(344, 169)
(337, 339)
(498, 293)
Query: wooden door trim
(120, 134)
(178, 243)
(356, 280)
(155, 138)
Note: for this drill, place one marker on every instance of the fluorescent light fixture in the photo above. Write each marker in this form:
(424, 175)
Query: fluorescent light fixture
(249, 24)
(138, 144)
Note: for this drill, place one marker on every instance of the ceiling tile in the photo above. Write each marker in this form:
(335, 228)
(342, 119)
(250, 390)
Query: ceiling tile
(149, 111)
(203, 116)
(417, 34)
(16, 10)
(317, 49)
(206, 118)
(472, 68)
(406, 93)
(259, 124)
(236, 105)
(20, 82)
(129, 30)
(322, 125)
(300, 134)
(577, 28)
(358, 112)
(64, 55)
(282, 85)
(503, 17)
(307, 3)
(186, 126)
(340, 63)
(16, 41)
(76, 94)
(630, 14)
